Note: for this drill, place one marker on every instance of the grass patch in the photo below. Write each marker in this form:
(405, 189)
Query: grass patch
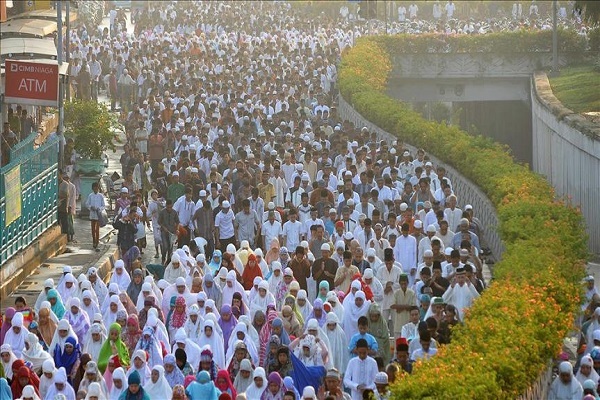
(578, 88)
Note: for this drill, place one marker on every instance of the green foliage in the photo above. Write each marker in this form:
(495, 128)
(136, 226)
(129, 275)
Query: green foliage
(91, 126)
(518, 324)
(578, 88)
(521, 41)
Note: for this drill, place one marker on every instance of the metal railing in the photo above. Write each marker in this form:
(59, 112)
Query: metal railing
(466, 191)
(539, 389)
(38, 169)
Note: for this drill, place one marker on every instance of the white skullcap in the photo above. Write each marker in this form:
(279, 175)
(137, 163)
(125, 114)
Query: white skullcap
(368, 274)
(325, 247)
(418, 224)
(428, 253)
(309, 393)
(403, 207)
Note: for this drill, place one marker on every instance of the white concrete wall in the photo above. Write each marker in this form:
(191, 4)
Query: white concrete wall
(566, 150)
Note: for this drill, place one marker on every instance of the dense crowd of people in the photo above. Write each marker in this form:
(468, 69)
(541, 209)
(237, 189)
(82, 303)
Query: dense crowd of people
(296, 255)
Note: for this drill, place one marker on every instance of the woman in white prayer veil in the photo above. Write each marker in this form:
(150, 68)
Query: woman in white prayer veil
(46, 304)
(157, 292)
(232, 286)
(94, 392)
(14, 339)
(160, 331)
(59, 339)
(114, 306)
(193, 324)
(240, 333)
(48, 284)
(192, 349)
(254, 391)
(120, 276)
(312, 328)
(254, 290)
(211, 308)
(212, 338)
(306, 308)
(436, 309)
(235, 259)
(587, 371)
(212, 317)
(276, 277)
(29, 393)
(146, 291)
(46, 381)
(91, 308)
(240, 383)
(262, 299)
(118, 376)
(67, 292)
(250, 329)
(113, 289)
(34, 353)
(565, 386)
(221, 278)
(336, 305)
(264, 267)
(94, 341)
(338, 343)
(173, 290)
(158, 387)
(353, 312)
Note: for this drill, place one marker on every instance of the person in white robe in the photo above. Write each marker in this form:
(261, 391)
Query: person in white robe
(160, 330)
(48, 285)
(46, 304)
(237, 261)
(211, 337)
(264, 267)
(240, 333)
(276, 277)
(231, 287)
(359, 308)
(251, 330)
(336, 306)
(461, 293)
(405, 253)
(62, 333)
(586, 370)
(60, 386)
(7, 365)
(565, 386)
(158, 387)
(119, 384)
(372, 282)
(338, 342)
(95, 392)
(192, 350)
(179, 288)
(303, 304)
(89, 304)
(360, 372)
(47, 377)
(113, 289)
(139, 364)
(94, 341)
(120, 276)
(146, 291)
(194, 322)
(98, 285)
(259, 384)
(17, 334)
(175, 269)
(68, 288)
(114, 306)
(262, 299)
(34, 353)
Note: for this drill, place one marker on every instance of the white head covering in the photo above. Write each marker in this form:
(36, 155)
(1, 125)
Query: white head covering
(338, 350)
(118, 374)
(254, 392)
(45, 383)
(5, 348)
(159, 389)
(36, 354)
(16, 340)
(215, 341)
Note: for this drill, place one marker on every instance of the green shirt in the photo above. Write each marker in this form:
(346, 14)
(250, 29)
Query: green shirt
(175, 191)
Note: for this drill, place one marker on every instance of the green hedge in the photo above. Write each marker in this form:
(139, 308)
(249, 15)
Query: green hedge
(519, 323)
(497, 42)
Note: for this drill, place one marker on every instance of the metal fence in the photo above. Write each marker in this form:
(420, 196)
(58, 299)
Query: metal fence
(39, 195)
(466, 191)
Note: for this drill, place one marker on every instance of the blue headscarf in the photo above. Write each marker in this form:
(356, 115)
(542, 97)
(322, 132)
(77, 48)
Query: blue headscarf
(58, 308)
(5, 392)
(63, 359)
(284, 337)
(214, 265)
(202, 388)
(176, 377)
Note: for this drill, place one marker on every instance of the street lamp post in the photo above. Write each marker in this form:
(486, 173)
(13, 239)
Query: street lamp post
(555, 67)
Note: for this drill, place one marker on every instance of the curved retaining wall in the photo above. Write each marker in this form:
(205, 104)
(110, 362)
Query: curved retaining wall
(466, 191)
(566, 150)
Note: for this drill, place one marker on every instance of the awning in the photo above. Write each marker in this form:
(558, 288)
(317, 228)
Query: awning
(49, 15)
(38, 28)
(25, 49)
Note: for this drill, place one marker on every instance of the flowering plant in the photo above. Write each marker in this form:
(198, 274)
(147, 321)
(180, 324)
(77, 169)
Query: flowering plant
(519, 322)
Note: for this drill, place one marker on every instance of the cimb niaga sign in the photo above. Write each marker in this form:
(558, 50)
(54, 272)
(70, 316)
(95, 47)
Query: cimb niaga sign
(31, 83)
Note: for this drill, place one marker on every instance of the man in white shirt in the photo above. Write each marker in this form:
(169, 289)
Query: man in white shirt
(361, 371)
(224, 228)
(461, 292)
(271, 230)
(452, 214)
(405, 252)
(426, 351)
(292, 231)
(185, 207)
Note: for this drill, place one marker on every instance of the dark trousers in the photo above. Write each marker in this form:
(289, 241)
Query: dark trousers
(63, 220)
(225, 242)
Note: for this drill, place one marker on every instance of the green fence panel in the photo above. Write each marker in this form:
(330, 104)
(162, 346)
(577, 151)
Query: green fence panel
(39, 196)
